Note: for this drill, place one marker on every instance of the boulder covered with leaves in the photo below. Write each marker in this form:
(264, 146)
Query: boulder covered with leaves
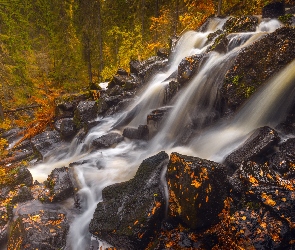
(39, 230)
(197, 190)
(132, 211)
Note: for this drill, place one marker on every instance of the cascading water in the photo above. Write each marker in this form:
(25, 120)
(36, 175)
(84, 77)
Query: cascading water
(107, 166)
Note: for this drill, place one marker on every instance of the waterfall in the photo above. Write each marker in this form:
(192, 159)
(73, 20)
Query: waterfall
(194, 104)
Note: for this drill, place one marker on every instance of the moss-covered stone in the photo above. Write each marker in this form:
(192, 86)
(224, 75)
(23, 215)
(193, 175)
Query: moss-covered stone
(257, 63)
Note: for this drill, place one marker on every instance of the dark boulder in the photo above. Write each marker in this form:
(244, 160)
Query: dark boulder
(170, 90)
(240, 24)
(132, 211)
(256, 148)
(118, 80)
(273, 10)
(113, 100)
(85, 111)
(140, 133)
(197, 190)
(260, 60)
(120, 106)
(46, 141)
(188, 67)
(67, 127)
(283, 160)
(107, 140)
(12, 135)
(267, 187)
(144, 69)
(163, 53)
(102, 106)
(58, 186)
(65, 110)
(122, 72)
(23, 194)
(39, 230)
(116, 90)
(154, 119)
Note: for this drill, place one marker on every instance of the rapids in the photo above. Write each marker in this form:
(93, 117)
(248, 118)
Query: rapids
(107, 166)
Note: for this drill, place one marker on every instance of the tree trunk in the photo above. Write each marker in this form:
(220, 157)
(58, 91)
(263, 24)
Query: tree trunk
(219, 7)
(176, 18)
(100, 42)
(1, 112)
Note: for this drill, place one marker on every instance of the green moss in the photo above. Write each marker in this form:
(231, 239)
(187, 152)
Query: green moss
(236, 80)
(286, 19)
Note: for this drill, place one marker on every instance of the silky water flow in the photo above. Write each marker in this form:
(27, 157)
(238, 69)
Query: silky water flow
(108, 166)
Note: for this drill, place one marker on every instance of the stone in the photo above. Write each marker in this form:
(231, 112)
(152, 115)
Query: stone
(273, 10)
(188, 67)
(261, 60)
(85, 111)
(58, 186)
(107, 140)
(39, 230)
(256, 148)
(140, 133)
(197, 190)
(46, 141)
(132, 211)
(68, 128)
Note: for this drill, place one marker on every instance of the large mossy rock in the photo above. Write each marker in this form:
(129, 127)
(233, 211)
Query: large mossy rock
(273, 10)
(132, 211)
(39, 230)
(257, 63)
(197, 190)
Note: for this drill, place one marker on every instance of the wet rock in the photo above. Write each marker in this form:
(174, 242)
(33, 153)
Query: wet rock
(145, 68)
(122, 72)
(11, 135)
(86, 111)
(128, 221)
(116, 90)
(240, 24)
(113, 100)
(273, 10)
(118, 80)
(154, 118)
(68, 127)
(102, 106)
(23, 194)
(197, 190)
(39, 230)
(46, 141)
(107, 140)
(170, 90)
(260, 144)
(283, 160)
(261, 60)
(258, 229)
(65, 110)
(232, 25)
(188, 67)
(163, 53)
(58, 186)
(120, 106)
(140, 133)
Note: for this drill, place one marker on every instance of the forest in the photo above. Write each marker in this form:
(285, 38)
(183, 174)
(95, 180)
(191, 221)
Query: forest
(52, 47)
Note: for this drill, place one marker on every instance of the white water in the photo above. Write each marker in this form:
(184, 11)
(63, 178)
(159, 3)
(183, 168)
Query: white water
(105, 167)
